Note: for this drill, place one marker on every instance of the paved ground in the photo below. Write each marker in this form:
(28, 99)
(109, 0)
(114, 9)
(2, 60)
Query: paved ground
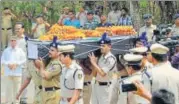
(30, 91)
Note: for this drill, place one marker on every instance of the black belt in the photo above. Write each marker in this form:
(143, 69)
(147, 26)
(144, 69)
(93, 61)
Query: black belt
(6, 28)
(49, 88)
(87, 83)
(103, 83)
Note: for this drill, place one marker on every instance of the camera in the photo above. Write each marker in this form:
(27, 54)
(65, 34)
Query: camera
(128, 87)
(162, 31)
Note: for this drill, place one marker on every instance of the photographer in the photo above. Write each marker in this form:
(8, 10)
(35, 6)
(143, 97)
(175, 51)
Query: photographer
(39, 28)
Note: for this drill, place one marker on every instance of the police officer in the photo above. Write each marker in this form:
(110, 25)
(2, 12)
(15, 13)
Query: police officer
(104, 68)
(32, 74)
(148, 28)
(72, 77)
(7, 17)
(175, 28)
(163, 74)
(134, 63)
(142, 51)
(50, 76)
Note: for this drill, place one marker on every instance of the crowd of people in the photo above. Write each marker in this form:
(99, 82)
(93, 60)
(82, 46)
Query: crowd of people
(147, 78)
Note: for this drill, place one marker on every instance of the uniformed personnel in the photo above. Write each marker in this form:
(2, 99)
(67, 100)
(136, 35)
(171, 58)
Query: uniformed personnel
(148, 28)
(134, 65)
(32, 74)
(50, 76)
(142, 51)
(7, 17)
(72, 78)
(103, 67)
(163, 74)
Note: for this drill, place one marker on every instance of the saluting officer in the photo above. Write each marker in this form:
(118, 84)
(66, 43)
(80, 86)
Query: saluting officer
(134, 63)
(104, 67)
(72, 78)
(50, 76)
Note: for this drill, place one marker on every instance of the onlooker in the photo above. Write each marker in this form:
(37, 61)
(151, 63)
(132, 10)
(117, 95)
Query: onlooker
(125, 19)
(175, 58)
(64, 15)
(114, 15)
(39, 28)
(12, 59)
(81, 15)
(7, 17)
(175, 28)
(19, 32)
(72, 21)
(148, 29)
(21, 43)
(104, 22)
(91, 22)
(96, 16)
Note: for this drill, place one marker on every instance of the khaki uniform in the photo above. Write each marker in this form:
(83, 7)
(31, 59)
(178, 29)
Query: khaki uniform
(175, 30)
(40, 30)
(6, 30)
(50, 86)
(37, 79)
(72, 78)
(149, 31)
(165, 76)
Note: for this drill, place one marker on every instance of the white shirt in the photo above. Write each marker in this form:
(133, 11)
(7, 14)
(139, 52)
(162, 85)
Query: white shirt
(21, 43)
(114, 16)
(13, 56)
(149, 31)
(167, 77)
(108, 65)
(82, 18)
(72, 78)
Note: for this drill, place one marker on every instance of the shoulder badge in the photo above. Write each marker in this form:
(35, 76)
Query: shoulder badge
(80, 76)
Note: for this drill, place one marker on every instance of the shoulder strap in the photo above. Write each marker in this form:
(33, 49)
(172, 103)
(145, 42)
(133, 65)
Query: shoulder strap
(149, 77)
(75, 73)
(114, 63)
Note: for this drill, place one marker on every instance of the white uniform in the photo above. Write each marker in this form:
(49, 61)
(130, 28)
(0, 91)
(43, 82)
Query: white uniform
(165, 76)
(72, 78)
(149, 31)
(102, 88)
(130, 97)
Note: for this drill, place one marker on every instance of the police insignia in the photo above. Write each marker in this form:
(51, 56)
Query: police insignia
(79, 76)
